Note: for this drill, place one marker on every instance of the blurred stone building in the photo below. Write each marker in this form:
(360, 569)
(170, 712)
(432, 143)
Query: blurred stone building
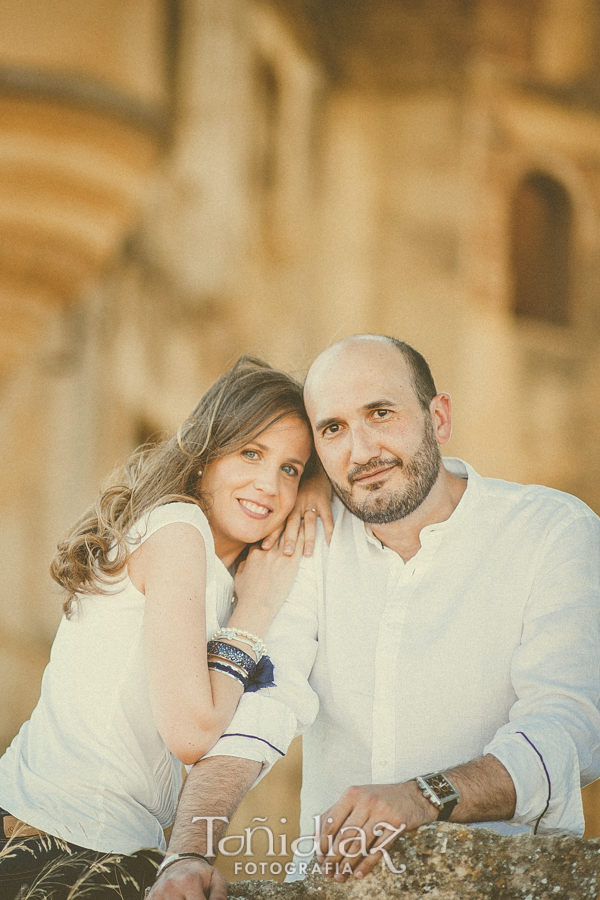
(182, 181)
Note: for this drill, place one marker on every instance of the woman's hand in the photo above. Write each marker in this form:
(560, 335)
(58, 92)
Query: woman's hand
(262, 582)
(313, 501)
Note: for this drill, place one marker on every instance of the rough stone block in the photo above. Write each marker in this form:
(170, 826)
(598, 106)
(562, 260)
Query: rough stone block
(455, 862)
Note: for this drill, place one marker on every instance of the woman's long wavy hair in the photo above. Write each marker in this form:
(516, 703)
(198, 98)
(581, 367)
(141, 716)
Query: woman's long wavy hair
(238, 407)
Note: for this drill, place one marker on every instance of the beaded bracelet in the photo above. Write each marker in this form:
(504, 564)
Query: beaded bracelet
(214, 657)
(244, 637)
(242, 640)
(228, 670)
(233, 654)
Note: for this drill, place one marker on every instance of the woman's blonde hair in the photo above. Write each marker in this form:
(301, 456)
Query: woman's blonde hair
(238, 407)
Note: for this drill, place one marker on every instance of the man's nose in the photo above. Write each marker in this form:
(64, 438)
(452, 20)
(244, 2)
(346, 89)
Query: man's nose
(364, 447)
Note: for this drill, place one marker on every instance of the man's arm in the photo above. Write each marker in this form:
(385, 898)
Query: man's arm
(366, 817)
(530, 770)
(258, 735)
(211, 794)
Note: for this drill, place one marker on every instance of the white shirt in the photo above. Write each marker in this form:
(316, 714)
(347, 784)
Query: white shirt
(90, 766)
(486, 641)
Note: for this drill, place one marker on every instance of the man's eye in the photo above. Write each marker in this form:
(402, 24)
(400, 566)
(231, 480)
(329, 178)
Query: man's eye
(382, 413)
(331, 429)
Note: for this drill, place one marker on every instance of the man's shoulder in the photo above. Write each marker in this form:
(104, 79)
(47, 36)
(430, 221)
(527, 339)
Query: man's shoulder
(346, 525)
(532, 498)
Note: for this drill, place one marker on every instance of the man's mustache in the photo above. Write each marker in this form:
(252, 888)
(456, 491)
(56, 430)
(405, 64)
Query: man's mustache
(369, 468)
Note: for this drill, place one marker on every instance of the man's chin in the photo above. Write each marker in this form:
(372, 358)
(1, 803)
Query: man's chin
(373, 513)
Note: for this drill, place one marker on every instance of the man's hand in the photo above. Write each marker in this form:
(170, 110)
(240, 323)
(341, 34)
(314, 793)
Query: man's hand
(358, 829)
(189, 879)
(366, 820)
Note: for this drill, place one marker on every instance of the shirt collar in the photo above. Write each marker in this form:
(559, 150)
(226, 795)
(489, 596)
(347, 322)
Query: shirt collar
(461, 469)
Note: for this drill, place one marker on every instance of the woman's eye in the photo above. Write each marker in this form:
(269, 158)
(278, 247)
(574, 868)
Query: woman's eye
(250, 454)
(290, 470)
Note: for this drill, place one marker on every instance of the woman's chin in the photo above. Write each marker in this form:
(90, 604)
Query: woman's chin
(260, 530)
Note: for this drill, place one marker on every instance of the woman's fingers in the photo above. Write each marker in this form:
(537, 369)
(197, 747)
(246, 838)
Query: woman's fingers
(272, 538)
(324, 511)
(310, 531)
(289, 539)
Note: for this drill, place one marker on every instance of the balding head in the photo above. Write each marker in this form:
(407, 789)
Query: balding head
(419, 372)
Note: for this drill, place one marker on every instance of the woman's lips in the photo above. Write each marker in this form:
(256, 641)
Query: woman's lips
(254, 510)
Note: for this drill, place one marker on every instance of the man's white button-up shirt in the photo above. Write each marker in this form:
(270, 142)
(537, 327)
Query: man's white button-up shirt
(486, 641)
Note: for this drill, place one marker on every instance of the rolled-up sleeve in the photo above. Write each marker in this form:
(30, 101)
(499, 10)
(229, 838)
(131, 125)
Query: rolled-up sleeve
(266, 721)
(551, 744)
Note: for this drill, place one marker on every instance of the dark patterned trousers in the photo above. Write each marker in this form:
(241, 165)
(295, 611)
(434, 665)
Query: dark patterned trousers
(47, 868)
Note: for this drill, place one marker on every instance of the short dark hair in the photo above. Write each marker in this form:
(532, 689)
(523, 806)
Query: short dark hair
(420, 373)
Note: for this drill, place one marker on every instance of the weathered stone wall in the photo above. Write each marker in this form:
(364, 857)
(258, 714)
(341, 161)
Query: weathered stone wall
(455, 862)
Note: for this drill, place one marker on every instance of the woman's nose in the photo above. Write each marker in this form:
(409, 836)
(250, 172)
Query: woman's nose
(267, 480)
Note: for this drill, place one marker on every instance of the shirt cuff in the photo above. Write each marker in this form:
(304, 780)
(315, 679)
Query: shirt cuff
(541, 758)
(261, 729)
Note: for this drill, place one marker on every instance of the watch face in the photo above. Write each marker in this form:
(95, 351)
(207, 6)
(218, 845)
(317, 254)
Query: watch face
(441, 786)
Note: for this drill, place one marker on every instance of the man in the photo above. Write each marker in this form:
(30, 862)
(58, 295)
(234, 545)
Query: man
(451, 628)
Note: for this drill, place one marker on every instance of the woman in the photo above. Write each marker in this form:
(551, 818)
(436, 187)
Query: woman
(130, 692)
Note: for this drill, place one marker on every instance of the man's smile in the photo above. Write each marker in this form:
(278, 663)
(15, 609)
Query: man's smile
(372, 476)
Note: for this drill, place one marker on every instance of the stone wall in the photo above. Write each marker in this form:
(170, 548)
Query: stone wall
(455, 862)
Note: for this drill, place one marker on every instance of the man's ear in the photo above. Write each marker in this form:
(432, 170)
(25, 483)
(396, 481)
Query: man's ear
(441, 417)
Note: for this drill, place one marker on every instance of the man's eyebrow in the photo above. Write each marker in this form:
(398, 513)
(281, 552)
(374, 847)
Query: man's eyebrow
(378, 404)
(323, 423)
(375, 404)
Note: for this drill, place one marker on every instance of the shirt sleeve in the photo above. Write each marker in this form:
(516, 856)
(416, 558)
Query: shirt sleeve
(267, 720)
(551, 744)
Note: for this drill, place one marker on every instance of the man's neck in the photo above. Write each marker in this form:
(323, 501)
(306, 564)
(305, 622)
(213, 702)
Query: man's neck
(403, 536)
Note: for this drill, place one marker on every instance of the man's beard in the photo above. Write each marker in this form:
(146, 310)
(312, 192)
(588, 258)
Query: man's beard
(420, 471)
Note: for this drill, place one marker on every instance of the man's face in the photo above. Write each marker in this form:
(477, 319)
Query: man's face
(376, 442)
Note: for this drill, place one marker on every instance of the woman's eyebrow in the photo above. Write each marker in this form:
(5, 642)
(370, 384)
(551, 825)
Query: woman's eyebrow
(264, 447)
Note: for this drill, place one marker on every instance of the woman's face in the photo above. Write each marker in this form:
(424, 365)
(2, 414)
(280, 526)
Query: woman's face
(253, 489)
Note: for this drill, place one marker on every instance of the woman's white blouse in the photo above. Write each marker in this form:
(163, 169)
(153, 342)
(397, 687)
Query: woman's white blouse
(90, 765)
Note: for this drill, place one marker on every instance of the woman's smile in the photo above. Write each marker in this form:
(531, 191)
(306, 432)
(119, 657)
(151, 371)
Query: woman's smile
(254, 509)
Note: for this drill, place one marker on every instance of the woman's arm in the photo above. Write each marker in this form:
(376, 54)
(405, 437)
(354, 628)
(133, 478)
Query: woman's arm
(191, 705)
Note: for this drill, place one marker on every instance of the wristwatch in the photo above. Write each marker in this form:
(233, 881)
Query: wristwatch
(436, 788)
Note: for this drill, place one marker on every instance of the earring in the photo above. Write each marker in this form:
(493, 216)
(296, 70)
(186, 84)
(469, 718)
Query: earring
(200, 471)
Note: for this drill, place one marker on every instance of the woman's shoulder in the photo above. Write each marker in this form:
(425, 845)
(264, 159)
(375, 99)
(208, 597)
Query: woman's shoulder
(169, 514)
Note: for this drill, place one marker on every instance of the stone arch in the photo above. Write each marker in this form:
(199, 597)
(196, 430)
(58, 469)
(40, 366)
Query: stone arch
(541, 248)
